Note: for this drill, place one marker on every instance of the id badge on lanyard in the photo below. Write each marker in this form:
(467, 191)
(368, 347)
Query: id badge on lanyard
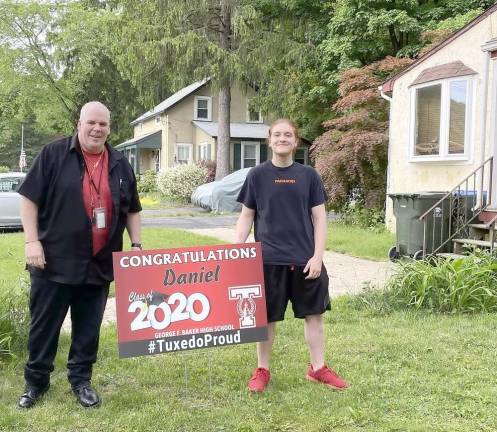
(99, 217)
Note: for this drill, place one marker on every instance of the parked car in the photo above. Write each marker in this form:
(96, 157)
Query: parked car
(10, 214)
(220, 196)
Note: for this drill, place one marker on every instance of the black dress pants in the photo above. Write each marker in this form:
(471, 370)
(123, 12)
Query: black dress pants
(49, 303)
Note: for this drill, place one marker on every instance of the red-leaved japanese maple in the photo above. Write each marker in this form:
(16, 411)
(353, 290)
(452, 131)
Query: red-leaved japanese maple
(351, 155)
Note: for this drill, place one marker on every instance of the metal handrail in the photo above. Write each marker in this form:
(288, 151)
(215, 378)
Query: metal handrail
(460, 220)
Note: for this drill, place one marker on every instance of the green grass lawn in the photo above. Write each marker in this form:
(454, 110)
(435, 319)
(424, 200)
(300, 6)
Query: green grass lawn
(359, 242)
(157, 201)
(11, 260)
(408, 372)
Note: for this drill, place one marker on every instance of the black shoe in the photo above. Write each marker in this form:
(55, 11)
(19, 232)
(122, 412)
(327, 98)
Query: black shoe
(30, 396)
(87, 397)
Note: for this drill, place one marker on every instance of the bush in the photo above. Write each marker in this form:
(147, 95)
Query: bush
(14, 320)
(147, 182)
(4, 169)
(179, 182)
(352, 152)
(211, 169)
(465, 285)
(355, 213)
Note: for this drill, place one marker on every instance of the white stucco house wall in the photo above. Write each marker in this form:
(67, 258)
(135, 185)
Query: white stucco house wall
(443, 113)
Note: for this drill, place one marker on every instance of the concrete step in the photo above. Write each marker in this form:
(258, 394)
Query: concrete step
(482, 243)
(480, 226)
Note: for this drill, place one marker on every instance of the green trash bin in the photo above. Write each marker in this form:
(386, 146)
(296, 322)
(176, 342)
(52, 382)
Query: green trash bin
(407, 209)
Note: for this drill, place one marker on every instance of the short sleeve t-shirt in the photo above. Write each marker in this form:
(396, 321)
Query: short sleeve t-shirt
(283, 199)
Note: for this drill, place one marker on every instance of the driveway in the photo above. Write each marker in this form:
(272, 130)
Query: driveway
(187, 217)
(191, 218)
(190, 222)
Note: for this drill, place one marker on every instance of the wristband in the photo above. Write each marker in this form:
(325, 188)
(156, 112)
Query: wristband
(138, 245)
(31, 241)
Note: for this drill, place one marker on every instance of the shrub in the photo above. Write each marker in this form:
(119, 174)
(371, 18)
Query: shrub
(211, 169)
(14, 319)
(355, 213)
(179, 182)
(465, 285)
(4, 169)
(352, 153)
(147, 182)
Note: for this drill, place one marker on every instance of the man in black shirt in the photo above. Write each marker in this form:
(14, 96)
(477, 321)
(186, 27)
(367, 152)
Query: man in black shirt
(77, 199)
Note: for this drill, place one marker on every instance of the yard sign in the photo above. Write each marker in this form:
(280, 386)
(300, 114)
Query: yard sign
(179, 299)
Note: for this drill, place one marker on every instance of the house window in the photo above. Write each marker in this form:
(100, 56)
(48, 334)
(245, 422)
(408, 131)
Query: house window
(202, 108)
(441, 120)
(253, 114)
(183, 153)
(457, 116)
(241, 151)
(250, 154)
(204, 151)
(302, 155)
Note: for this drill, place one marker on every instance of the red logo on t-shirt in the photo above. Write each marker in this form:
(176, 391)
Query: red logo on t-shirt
(285, 181)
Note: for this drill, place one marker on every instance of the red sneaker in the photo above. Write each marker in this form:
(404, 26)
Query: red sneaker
(326, 376)
(259, 380)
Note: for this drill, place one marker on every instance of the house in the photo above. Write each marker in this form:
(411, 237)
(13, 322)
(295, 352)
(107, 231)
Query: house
(443, 117)
(183, 129)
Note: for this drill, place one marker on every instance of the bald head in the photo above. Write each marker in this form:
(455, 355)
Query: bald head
(93, 127)
(94, 106)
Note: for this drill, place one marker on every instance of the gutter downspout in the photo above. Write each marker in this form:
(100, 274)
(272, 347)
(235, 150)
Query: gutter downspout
(483, 130)
(385, 96)
(389, 100)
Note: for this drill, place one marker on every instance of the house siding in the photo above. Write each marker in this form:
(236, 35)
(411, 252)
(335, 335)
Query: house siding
(181, 129)
(405, 176)
(177, 127)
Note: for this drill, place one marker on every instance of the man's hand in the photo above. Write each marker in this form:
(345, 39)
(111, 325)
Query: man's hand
(313, 266)
(34, 254)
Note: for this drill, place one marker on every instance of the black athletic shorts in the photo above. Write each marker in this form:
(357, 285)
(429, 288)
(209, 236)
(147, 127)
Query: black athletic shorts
(287, 282)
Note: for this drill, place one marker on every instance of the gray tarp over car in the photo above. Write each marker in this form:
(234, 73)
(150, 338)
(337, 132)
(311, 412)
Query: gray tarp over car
(220, 196)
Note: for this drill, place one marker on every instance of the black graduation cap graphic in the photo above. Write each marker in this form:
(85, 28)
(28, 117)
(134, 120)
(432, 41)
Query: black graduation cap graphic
(157, 298)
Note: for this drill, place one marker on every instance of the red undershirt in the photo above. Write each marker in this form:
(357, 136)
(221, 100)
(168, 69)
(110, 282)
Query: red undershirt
(97, 194)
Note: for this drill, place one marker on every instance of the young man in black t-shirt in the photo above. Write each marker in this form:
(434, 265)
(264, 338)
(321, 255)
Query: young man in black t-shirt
(285, 201)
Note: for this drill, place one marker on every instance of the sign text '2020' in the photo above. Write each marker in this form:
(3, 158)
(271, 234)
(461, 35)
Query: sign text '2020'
(178, 307)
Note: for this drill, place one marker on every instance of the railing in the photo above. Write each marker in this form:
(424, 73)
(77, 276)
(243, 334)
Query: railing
(450, 217)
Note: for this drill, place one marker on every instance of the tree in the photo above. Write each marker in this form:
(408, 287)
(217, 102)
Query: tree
(83, 47)
(227, 41)
(301, 91)
(363, 31)
(54, 57)
(351, 155)
(353, 33)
